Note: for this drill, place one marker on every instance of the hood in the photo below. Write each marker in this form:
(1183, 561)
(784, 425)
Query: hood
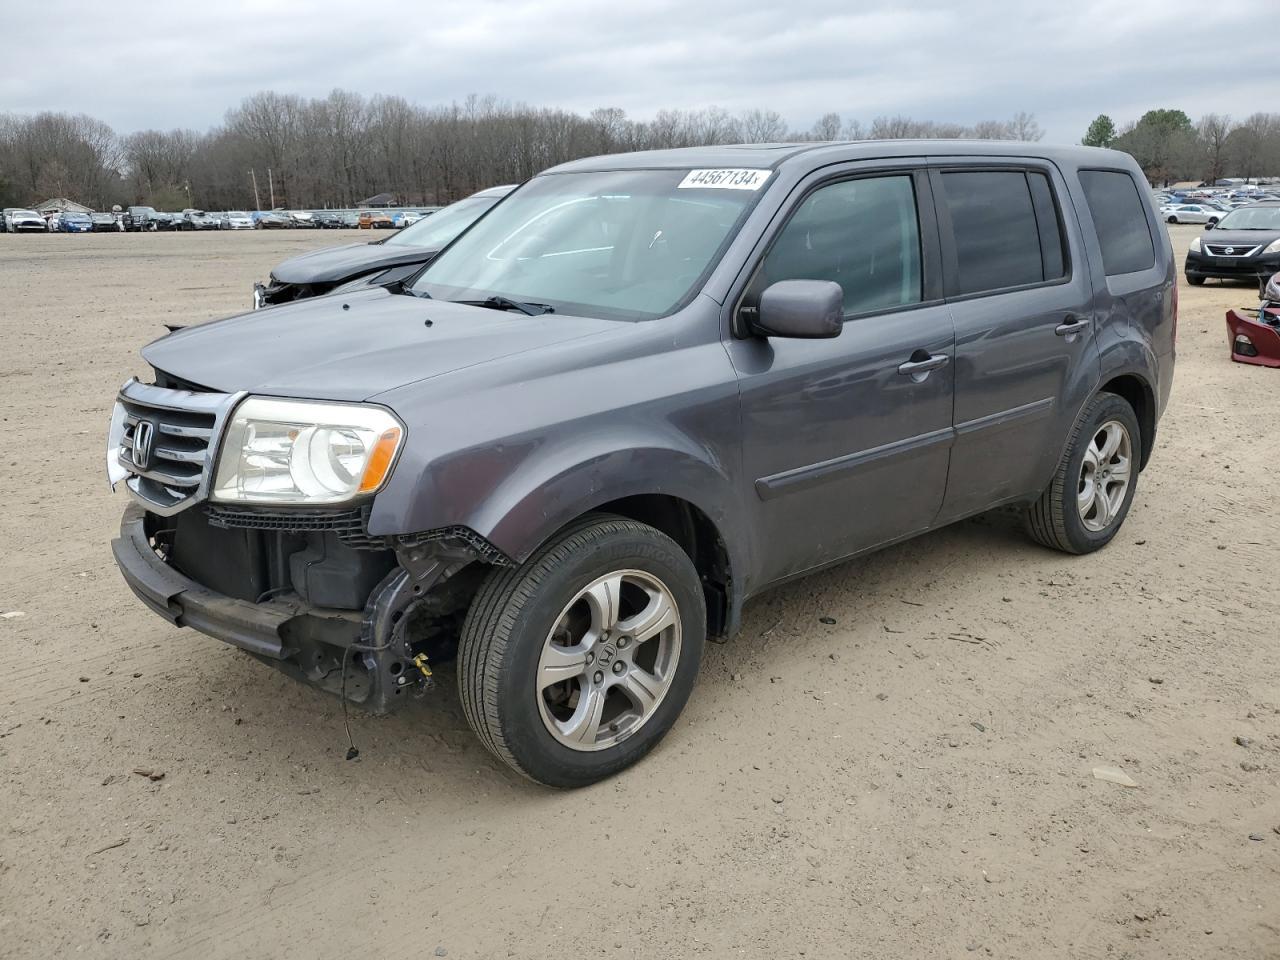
(335, 264)
(354, 347)
(1239, 238)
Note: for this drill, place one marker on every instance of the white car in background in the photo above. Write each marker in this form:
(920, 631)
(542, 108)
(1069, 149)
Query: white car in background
(18, 220)
(1192, 213)
(236, 220)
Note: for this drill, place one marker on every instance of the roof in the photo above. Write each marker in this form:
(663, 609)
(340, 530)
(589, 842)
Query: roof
(772, 156)
(62, 205)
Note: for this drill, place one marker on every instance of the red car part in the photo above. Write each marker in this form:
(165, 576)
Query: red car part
(1254, 336)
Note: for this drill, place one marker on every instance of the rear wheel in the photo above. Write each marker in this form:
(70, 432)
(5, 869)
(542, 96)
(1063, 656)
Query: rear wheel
(1173, 219)
(1089, 497)
(574, 665)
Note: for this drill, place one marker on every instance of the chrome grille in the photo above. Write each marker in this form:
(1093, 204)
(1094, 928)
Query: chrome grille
(1230, 249)
(163, 442)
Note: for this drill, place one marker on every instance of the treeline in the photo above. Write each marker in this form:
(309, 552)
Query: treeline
(338, 150)
(1170, 147)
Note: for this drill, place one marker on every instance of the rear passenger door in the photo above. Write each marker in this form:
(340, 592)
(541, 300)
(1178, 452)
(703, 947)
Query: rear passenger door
(1018, 286)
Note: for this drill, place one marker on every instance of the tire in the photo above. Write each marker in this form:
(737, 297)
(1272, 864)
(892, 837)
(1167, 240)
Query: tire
(1056, 519)
(509, 631)
(1194, 280)
(1173, 220)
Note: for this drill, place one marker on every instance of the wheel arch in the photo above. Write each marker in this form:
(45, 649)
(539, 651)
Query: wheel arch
(1138, 393)
(682, 496)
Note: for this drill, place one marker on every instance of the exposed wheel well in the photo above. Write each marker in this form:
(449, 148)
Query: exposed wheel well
(698, 537)
(1140, 396)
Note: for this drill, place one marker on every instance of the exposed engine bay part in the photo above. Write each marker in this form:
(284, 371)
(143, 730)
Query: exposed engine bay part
(305, 601)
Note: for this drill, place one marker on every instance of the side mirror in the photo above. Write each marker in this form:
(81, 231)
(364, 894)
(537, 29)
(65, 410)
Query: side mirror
(1208, 226)
(805, 309)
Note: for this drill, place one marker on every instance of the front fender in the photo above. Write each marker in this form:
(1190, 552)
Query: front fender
(536, 502)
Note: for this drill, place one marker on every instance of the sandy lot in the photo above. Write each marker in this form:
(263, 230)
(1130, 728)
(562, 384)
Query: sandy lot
(912, 781)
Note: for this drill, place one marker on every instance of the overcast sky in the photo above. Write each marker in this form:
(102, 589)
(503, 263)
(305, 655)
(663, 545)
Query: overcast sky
(182, 63)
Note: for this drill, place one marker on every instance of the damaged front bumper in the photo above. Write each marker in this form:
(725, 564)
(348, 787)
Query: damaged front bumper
(365, 655)
(1254, 336)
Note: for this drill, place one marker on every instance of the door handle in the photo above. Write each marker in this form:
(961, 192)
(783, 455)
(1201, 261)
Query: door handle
(1072, 325)
(917, 370)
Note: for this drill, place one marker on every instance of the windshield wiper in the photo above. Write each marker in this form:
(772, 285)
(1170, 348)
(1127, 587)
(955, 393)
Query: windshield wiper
(499, 302)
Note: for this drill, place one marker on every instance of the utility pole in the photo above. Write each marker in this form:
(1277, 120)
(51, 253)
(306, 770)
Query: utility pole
(271, 184)
(257, 204)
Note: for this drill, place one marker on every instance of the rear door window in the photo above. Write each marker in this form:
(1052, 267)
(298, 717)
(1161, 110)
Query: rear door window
(1121, 221)
(1004, 236)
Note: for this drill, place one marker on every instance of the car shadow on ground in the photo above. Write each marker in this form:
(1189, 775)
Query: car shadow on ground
(275, 718)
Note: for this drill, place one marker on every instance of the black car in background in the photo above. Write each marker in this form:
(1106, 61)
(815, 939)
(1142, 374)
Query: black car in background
(378, 263)
(1244, 245)
(329, 221)
(137, 219)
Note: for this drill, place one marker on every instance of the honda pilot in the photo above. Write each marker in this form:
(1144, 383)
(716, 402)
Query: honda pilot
(642, 390)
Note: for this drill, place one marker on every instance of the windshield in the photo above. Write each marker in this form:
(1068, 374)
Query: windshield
(75, 217)
(238, 214)
(627, 244)
(1251, 218)
(436, 231)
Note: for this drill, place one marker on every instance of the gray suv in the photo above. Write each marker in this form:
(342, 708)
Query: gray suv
(644, 389)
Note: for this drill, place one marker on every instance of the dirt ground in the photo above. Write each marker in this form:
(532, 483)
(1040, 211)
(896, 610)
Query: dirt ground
(913, 780)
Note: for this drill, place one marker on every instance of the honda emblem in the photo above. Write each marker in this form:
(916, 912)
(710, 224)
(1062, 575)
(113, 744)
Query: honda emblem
(143, 436)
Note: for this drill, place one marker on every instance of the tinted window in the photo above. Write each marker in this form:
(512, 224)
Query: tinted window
(1120, 219)
(1052, 249)
(861, 234)
(997, 236)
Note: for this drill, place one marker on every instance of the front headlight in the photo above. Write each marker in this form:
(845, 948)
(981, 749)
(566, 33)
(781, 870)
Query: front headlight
(1272, 247)
(1195, 245)
(304, 452)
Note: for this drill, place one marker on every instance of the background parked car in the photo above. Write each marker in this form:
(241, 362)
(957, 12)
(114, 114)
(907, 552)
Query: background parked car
(409, 217)
(302, 220)
(19, 220)
(379, 263)
(329, 221)
(105, 222)
(375, 220)
(236, 220)
(1243, 245)
(199, 220)
(139, 218)
(72, 222)
(271, 220)
(1192, 213)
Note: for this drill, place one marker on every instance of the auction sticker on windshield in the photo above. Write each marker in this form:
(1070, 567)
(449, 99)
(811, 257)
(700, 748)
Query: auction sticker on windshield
(739, 179)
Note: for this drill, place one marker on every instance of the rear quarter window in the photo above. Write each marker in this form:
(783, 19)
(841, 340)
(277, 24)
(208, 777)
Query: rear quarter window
(1120, 220)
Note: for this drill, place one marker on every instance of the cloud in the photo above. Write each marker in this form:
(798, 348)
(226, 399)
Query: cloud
(139, 64)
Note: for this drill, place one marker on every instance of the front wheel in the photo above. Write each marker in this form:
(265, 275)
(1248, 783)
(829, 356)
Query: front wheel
(1092, 490)
(574, 665)
(1195, 281)
(1173, 220)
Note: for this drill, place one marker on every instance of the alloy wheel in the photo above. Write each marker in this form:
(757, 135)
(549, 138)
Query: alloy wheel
(609, 660)
(1104, 476)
